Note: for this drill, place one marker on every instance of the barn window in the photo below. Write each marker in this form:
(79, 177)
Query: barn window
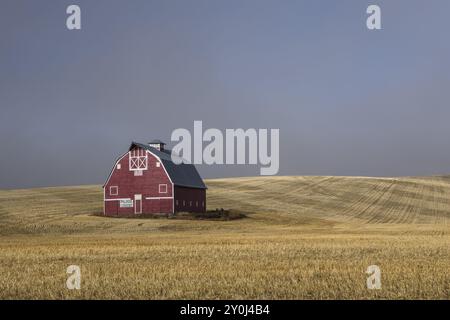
(203, 203)
(119, 166)
(184, 203)
(196, 203)
(113, 191)
(158, 164)
(190, 203)
(163, 188)
(176, 202)
(138, 159)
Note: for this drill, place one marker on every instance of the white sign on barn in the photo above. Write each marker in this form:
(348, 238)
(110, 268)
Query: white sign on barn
(128, 203)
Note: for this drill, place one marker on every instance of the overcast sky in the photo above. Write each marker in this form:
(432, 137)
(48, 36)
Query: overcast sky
(347, 101)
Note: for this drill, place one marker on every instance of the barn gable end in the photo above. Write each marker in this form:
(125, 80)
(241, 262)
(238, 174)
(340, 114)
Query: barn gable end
(144, 180)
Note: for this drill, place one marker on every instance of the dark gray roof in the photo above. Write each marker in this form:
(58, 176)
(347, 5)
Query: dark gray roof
(183, 175)
(156, 141)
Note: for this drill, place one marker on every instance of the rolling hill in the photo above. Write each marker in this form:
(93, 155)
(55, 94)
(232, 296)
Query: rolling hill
(302, 237)
(267, 200)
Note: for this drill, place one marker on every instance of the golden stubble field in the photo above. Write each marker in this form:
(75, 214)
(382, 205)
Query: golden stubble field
(303, 238)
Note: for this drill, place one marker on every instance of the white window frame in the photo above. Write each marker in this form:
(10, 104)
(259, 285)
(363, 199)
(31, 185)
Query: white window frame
(137, 160)
(119, 166)
(159, 187)
(114, 194)
(158, 164)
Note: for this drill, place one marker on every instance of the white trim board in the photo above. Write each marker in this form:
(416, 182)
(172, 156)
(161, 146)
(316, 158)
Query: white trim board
(157, 198)
(118, 199)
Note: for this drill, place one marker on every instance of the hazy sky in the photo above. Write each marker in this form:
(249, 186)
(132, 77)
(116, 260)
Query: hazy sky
(347, 101)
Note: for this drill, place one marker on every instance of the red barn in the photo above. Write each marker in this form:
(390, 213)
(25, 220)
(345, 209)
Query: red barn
(145, 180)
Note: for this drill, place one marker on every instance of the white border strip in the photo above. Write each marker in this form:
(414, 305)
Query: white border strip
(157, 198)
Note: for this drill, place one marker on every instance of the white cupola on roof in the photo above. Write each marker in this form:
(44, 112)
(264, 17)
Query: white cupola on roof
(157, 144)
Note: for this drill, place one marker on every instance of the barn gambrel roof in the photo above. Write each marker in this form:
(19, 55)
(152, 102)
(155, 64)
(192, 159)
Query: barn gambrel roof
(182, 175)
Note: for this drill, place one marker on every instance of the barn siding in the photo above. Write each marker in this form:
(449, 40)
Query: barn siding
(187, 195)
(147, 185)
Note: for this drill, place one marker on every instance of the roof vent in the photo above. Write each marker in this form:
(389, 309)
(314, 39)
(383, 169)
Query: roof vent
(157, 144)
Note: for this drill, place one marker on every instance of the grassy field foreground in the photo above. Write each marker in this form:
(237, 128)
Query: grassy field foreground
(304, 237)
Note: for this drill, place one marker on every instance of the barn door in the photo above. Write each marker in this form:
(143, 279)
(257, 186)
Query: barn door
(137, 203)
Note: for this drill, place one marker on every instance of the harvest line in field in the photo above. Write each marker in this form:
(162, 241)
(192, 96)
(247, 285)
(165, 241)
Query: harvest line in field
(304, 238)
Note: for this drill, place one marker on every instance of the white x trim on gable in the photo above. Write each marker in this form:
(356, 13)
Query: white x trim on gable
(138, 159)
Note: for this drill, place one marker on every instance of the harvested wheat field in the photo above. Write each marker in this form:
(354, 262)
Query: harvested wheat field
(302, 238)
